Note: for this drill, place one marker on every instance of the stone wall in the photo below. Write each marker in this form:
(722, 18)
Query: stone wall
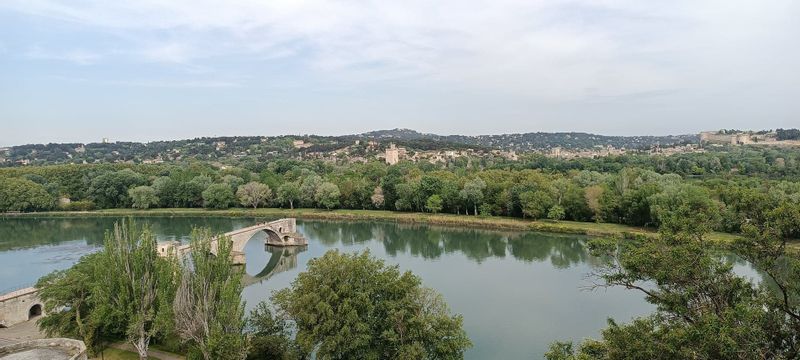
(20, 306)
(52, 348)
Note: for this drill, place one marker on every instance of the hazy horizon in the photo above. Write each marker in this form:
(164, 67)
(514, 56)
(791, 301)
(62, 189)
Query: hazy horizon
(148, 70)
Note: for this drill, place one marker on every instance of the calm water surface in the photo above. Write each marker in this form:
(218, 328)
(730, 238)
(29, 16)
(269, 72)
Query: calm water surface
(517, 291)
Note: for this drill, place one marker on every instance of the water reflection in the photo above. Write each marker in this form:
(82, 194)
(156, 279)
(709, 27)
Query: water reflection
(281, 259)
(20, 233)
(430, 242)
(517, 291)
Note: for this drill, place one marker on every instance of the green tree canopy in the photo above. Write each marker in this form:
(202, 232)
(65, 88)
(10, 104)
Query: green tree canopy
(434, 203)
(209, 312)
(356, 307)
(218, 196)
(110, 190)
(289, 193)
(143, 197)
(253, 194)
(23, 195)
(327, 195)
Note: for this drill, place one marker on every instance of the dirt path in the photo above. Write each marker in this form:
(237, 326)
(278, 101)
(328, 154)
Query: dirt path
(20, 332)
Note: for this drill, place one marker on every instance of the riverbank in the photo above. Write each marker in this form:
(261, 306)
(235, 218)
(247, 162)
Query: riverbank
(485, 222)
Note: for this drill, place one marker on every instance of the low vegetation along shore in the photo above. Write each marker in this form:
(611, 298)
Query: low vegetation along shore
(485, 222)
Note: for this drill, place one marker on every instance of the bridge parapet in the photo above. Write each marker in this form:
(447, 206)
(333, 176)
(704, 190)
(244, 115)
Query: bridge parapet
(281, 232)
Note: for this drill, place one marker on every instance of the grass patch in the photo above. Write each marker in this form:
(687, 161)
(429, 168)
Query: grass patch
(117, 354)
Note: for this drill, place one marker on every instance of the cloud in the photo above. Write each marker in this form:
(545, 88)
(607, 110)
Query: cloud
(558, 50)
(76, 56)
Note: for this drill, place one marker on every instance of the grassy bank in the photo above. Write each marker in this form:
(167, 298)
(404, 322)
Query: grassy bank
(500, 223)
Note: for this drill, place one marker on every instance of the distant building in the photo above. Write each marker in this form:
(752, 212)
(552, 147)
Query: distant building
(106, 141)
(80, 149)
(741, 139)
(300, 144)
(555, 152)
(394, 154)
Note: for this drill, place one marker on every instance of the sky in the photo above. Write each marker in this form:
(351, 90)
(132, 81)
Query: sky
(141, 70)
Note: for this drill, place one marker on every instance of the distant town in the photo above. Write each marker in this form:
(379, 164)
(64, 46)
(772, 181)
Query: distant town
(390, 146)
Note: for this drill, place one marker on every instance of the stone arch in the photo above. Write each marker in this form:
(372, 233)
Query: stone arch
(273, 237)
(35, 311)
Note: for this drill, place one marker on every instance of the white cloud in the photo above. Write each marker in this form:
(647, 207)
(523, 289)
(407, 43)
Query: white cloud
(559, 50)
(77, 56)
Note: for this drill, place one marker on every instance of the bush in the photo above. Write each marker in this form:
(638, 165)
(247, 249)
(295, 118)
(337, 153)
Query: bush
(83, 205)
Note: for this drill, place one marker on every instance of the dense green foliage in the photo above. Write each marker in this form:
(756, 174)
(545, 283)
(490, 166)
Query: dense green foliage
(613, 189)
(143, 197)
(355, 307)
(788, 134)
(137, 290)
(20, 194)
(70, 306)
(209, 313)
(121, 293)
(128, 292)
(704, 310)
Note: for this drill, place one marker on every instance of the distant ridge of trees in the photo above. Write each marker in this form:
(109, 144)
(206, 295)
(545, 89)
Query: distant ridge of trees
(227, 147)
(788, 134)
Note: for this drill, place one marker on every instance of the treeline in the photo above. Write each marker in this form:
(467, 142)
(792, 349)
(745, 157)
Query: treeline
(615, 190)
(703, 309)
(788, 134)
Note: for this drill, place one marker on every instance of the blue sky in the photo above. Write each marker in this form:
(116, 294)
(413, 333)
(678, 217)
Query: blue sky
(82, 70)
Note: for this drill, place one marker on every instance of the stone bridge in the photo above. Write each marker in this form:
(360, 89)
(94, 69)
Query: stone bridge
(281, 233)
(20, 306)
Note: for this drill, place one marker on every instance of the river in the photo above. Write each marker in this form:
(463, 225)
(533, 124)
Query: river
(518, 292)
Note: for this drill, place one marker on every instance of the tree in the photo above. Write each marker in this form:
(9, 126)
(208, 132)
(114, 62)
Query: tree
(209, 313)
(110, 190)
(138, 285)
(253, 194)
(593, 195)
(704, 311)
(308, 189)
(70, 306)
(472, 193)
(434, 203)
(327, 195)
(270, 336)
(143, 197)
(289, 192)
(23, 195)
(535, 203)
(377, 197)
(556, 212)
(233, 181)
(356, 307)
(218, 196)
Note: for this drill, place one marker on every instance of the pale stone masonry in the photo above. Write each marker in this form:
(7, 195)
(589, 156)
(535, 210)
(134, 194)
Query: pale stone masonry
(20, 306)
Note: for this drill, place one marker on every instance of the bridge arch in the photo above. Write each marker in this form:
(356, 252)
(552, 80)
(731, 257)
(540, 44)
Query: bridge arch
(35, 311)
(274, 238)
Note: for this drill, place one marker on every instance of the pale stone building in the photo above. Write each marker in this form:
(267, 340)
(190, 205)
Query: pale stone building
(394, 154)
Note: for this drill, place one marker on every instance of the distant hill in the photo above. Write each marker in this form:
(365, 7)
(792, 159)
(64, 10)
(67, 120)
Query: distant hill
(538, 140)
(271, 147)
